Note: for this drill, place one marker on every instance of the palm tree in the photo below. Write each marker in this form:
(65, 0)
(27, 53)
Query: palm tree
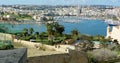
(49, 28)
(103, 41)
(116, 42)
(74, 32)
(59, 29)
(31, 30)
(25, 32)
(36, 34)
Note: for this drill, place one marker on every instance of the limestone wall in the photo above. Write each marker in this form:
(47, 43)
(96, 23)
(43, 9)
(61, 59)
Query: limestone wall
(13, 56)
(4, 36)
(72, 57)
(23, 59)
(28, 43)
(115, 33)
(62, 48)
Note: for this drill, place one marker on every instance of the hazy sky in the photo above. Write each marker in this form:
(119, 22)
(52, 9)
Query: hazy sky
(62, 2)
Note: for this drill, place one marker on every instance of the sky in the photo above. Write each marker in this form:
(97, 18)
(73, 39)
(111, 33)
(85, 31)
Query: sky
(61, 2)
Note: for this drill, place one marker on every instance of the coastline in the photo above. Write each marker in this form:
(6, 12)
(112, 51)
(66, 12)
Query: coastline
(81, 17)
(81, 26)
(56, 17)
(89, 18)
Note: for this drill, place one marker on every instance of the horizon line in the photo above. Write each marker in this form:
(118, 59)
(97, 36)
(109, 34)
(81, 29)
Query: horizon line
(64, 5)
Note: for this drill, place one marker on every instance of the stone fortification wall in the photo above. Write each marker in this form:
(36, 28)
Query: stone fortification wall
(13, 56)
(72, 57)
(115, 33)
(28, 44)
(4, 36)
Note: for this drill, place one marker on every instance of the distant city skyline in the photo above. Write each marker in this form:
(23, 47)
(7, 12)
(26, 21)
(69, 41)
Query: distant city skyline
(61, 2)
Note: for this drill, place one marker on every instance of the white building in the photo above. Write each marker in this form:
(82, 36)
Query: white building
(113, 33)
(37, 17)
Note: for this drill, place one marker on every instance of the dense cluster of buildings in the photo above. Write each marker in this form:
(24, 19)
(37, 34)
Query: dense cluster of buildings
(41, 13)
(37, 12)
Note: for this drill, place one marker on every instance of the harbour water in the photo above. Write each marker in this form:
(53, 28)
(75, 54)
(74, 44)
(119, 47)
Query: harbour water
(84, 26)
(89, 27)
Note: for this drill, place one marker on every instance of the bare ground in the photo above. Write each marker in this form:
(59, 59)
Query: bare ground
(31, 52)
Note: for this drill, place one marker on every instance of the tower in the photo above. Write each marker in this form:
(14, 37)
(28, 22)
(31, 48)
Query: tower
(108, 29)
(108, 32)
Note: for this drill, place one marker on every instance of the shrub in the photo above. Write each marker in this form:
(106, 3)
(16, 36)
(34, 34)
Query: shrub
(102, 55)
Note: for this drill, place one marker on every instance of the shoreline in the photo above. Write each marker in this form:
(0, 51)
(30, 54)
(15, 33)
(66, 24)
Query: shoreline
(67, 30)
(56, 17)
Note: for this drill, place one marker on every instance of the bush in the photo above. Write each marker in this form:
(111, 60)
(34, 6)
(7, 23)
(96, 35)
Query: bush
(2, 47)
(5, 47)
(102, 55)
(9, 47)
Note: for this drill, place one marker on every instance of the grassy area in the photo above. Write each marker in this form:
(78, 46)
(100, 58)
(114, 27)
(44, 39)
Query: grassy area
(22, 17)
(14, 31)
(4, 45)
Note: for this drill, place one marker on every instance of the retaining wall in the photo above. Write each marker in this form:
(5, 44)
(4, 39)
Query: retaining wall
(4, 36)
(72, 57)
(13, 56)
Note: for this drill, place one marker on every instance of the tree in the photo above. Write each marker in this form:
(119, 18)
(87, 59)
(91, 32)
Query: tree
(59, 29)
(116, 42)
(74, 32)
(103, 55)
(56, 25)
(85, 37)
(53, 28)
(25, 32)
(44, 19)
(36, 34)
(50, 31)
(50, 28)
(31, 30)
(103, 41)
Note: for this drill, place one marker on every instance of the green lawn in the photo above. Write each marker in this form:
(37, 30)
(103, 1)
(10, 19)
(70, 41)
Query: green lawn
(22, 17)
